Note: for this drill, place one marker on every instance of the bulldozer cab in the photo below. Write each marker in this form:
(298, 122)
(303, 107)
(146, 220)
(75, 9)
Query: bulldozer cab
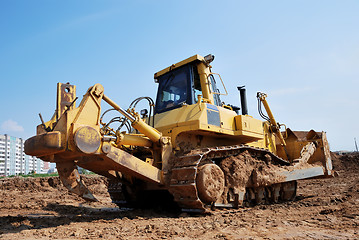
(181, 84)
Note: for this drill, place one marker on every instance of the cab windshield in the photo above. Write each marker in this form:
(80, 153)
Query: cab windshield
(172, 90)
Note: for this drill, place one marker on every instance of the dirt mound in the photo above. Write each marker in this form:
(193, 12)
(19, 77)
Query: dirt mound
(345, 162)
(45, 184)
(39, 193)
(30, 184)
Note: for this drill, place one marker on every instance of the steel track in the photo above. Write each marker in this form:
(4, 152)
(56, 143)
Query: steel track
(183, 180)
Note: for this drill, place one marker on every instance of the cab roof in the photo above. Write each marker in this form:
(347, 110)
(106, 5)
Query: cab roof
(194, 58)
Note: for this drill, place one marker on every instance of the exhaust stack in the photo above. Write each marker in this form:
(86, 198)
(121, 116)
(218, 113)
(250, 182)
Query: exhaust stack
(243, 98)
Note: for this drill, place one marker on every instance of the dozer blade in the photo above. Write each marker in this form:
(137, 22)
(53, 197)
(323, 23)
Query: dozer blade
(71, 179)
(310, 148)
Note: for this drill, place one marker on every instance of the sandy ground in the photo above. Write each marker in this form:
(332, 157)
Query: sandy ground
(41, 208)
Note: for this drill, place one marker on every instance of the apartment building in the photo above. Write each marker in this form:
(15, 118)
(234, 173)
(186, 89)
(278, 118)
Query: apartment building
(14, 161)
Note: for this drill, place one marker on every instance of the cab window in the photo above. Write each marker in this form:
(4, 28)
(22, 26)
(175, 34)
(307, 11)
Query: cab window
(214, 89)
(173, 89)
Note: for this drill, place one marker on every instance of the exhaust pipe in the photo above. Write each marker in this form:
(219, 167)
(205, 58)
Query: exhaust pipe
(243, 98)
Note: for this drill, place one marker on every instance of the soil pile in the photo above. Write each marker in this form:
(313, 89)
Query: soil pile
(31, 184)
(346, 162)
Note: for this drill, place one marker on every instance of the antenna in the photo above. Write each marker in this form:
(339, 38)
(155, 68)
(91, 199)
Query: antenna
(356, 146)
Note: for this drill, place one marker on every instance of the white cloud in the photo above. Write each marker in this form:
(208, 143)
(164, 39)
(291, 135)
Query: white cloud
(11, 126)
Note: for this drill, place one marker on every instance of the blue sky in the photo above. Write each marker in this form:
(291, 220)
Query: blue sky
(303, 54)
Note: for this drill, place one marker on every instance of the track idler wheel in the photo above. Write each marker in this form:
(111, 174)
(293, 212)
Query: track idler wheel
(210, 183)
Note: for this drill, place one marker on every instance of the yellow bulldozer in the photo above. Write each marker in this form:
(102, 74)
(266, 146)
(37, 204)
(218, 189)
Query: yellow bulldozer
(187, 146)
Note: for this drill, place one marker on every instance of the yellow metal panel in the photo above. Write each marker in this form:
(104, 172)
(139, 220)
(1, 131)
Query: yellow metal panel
(187, 115)
(89, 113)
(227, 118)
(129, 164)
(66, 94)
(248, 125)
(45, 144)
(193, 120)
(179, 64)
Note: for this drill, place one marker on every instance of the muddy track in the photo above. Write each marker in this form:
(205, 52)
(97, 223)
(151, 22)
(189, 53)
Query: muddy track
(237, 163)
(41, 208)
